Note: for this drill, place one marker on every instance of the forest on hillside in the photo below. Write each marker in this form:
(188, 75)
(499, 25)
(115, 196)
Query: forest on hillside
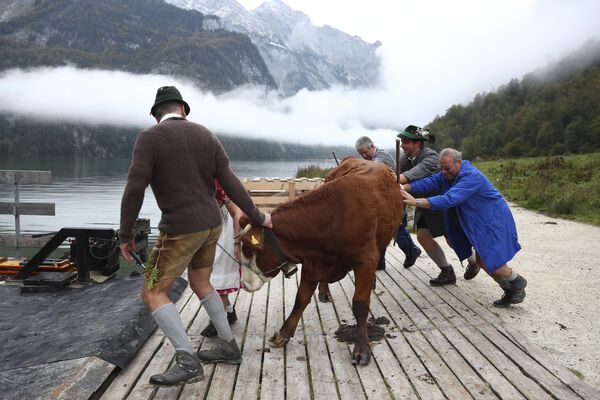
(553, 111)
(138, 36)
(24, 137)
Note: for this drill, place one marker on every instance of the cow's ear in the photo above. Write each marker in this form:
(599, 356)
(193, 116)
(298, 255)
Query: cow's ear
(253, 237)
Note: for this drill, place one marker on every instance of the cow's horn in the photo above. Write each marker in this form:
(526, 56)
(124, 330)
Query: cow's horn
(246, 229)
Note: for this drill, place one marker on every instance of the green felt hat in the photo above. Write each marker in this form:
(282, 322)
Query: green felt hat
(413, 132)
(168, 93)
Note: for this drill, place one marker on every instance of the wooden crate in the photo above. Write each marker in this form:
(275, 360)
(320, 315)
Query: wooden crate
(269, 193)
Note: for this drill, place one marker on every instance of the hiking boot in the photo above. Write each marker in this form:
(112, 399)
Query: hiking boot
(472, 270)
(231, 316)
(445, 277)
(227, 352)
(186, 369)
(514, 294)
(504, 300)
(210, 331)
(409, 261)
(517, 288)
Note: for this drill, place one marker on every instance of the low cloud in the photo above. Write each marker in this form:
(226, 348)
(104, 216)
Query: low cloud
(122, 99)
(430, 60)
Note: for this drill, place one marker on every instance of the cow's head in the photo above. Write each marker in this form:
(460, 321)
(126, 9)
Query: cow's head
(259, 263)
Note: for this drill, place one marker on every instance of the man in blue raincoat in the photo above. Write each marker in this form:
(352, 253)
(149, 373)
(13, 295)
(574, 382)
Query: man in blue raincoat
(476, 215)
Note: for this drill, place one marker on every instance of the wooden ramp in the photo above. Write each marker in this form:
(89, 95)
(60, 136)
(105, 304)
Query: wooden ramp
(441, 344)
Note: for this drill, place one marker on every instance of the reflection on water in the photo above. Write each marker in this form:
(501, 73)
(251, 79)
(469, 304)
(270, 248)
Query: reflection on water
(87, 191)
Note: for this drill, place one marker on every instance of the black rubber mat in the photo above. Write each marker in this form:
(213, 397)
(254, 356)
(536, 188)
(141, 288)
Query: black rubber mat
(107, 320)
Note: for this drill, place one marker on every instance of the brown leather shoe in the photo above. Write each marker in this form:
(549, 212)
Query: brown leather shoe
(446, 277)
(471, 271)
(410, 261)
(514, 294)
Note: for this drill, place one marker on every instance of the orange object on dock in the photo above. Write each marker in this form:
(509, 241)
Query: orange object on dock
(10, 266)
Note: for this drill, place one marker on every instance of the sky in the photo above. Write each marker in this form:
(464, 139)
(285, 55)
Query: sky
(435, 53)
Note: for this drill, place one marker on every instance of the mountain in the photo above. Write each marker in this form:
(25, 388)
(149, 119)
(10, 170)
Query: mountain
(552, 111)
(298, 54)
(139, 36)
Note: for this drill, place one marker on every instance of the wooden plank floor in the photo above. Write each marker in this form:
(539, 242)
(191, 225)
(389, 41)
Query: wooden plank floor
(441, 344)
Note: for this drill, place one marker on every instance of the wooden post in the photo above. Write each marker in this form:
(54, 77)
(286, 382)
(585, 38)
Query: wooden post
(335, 158)
(17, 208)
(16, 214)
(291, 189)
(397, 160)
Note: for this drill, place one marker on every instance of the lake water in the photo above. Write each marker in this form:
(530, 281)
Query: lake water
(87, 191)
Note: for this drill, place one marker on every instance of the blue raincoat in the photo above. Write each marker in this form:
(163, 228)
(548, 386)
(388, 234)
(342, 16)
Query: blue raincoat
(486, 221)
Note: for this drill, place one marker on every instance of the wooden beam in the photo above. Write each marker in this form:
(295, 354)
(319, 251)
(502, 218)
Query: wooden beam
(281, 184)
(25, 177)
(27, 208)
(25, 241)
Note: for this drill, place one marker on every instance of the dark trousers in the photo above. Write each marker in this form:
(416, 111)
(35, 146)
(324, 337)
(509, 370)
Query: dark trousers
(381, 264)
(404, 240)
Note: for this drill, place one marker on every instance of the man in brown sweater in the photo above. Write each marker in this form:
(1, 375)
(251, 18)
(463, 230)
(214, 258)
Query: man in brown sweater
(180, 161)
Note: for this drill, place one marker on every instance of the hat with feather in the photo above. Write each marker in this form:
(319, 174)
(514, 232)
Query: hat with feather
(413, 132)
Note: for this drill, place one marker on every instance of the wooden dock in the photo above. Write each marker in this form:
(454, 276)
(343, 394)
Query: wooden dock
(441, 344)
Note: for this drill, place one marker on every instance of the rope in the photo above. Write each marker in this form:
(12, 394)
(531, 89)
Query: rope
(247, 265)
(100, 243)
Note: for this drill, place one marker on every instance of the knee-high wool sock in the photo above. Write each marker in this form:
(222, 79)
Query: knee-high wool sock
(215, 310)
(513, 275)
(438, 257)
(168, 319)
(503, 283)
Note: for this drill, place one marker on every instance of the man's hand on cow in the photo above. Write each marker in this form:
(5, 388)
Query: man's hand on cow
(267, 223)
(408, 198)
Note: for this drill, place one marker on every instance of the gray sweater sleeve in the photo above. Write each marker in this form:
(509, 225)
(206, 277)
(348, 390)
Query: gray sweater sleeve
(428, 166)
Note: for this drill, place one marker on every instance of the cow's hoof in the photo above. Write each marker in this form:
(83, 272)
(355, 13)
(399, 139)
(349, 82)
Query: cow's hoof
(277, 340)
(361, 359)
(325, 297)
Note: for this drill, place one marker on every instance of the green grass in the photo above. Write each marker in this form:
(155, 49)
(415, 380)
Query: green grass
(577, 373)
(312, 171)
(561, 186)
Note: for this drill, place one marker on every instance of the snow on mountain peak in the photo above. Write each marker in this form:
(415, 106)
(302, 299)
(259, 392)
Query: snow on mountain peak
(297, 53)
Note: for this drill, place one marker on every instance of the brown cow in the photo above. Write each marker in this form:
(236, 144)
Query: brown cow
(340, 226)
